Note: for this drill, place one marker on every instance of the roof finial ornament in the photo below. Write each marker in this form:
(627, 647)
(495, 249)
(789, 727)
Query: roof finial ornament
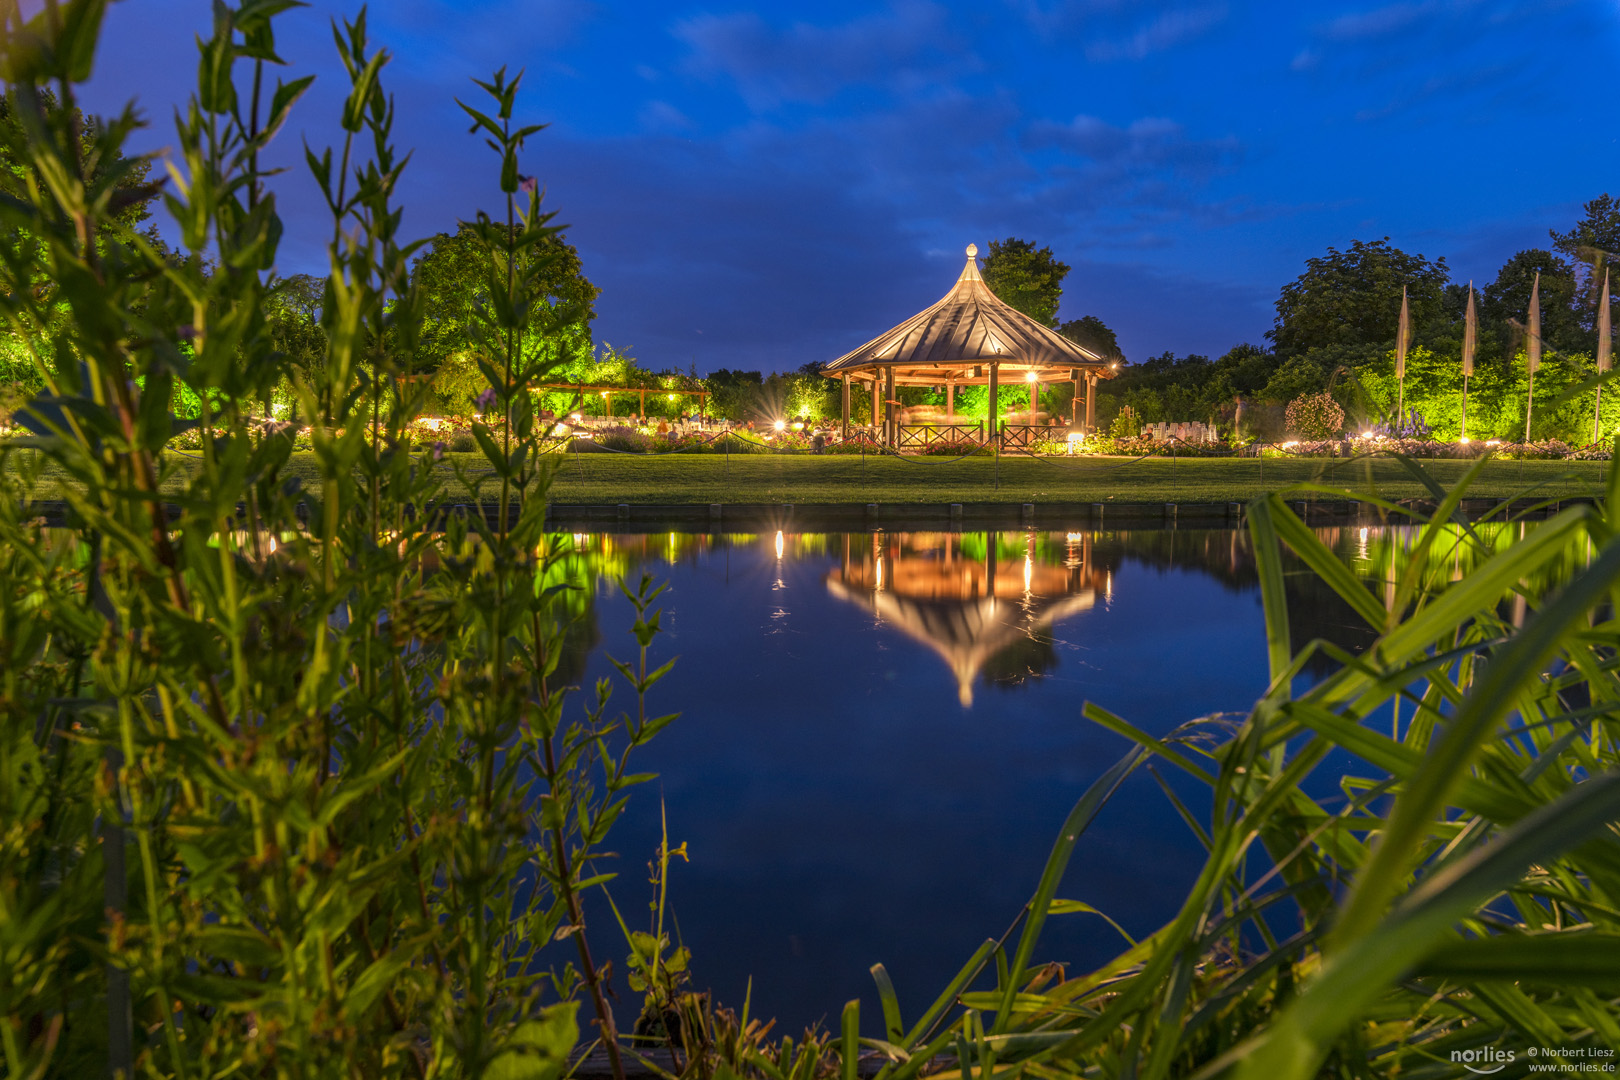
(973, 251)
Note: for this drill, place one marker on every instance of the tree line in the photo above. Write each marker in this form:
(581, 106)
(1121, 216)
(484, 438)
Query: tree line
(1334, 330)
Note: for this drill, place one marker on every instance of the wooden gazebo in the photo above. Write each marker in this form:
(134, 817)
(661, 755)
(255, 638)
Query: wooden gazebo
(969, 338)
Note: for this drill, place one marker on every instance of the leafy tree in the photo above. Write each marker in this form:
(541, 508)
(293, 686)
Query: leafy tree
(735, 393)
(1353, 298)
(452, 279)
(1092, 333)
(125, 179)
(1592, 244)
(1025, 277)
(1296, 377)
(1506, 301)
(1246, 368)
(293, 316)
(132, 190)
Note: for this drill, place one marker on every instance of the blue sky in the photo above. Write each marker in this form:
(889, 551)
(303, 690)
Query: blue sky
(760, 185)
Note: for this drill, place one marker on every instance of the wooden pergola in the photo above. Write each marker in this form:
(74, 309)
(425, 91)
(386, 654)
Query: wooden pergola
(969, 338)
(607, 392)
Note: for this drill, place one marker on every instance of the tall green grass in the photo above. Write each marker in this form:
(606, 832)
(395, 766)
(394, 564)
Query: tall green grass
(1460, 894)
(291, 783)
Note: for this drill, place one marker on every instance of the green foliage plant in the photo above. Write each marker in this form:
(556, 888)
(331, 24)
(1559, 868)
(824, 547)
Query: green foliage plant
(1315, 416)
(1127, 425)
(290, 781)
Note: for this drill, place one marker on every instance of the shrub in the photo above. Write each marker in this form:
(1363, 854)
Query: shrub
(1315, 416)
(627, 439)
(1127, 425)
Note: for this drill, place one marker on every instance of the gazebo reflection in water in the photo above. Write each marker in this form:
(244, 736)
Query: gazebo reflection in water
(965, 595)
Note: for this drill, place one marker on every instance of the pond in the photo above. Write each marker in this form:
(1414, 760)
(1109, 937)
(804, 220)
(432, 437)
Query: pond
(881, 734)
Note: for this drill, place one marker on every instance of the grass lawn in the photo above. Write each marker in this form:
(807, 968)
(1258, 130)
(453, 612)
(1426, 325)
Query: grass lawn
(612, 478)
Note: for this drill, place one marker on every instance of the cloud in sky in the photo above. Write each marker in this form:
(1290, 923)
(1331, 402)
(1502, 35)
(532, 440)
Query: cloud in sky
(809, 62)
(1152, 142)
(1165, 30)
(762, 185)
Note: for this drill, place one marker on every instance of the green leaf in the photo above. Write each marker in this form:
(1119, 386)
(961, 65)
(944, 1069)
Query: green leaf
(891, 1003)
(286, 96)
(81, 30)
(538, 1049)
(1080, 907)
(1273, 597)
(849, 1042)
(1553, 959)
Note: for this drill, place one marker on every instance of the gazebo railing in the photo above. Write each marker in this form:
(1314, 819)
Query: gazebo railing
(931, 436)
(1023, 436)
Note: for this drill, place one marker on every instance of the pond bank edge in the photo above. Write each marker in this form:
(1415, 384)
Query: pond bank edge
(870, 517)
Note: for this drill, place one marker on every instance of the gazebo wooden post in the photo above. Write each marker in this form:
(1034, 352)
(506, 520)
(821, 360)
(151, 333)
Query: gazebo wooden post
(877, 399)
(607, 403)
(644, 404)
(1074, 400)
(843, 398)
(994, 428)
(888, 406)
(1034, 400)
(950, 399)
(1091, 403)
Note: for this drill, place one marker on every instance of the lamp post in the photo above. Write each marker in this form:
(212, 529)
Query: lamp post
(1605, 346)
(1470, 343)
(1532, 351)
(1403, 339)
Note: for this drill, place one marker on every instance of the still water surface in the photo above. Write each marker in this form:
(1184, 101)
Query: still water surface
(880, 735)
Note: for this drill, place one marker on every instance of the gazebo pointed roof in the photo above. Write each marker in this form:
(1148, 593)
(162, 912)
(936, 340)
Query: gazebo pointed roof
(968, 328)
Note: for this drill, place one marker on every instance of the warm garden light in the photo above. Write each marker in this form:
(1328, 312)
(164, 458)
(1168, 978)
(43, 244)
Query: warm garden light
(1465, 440)
(1030, 376)
(780, 425)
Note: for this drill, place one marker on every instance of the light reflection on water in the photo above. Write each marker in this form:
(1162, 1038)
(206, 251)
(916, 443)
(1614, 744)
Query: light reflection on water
(882, 732)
